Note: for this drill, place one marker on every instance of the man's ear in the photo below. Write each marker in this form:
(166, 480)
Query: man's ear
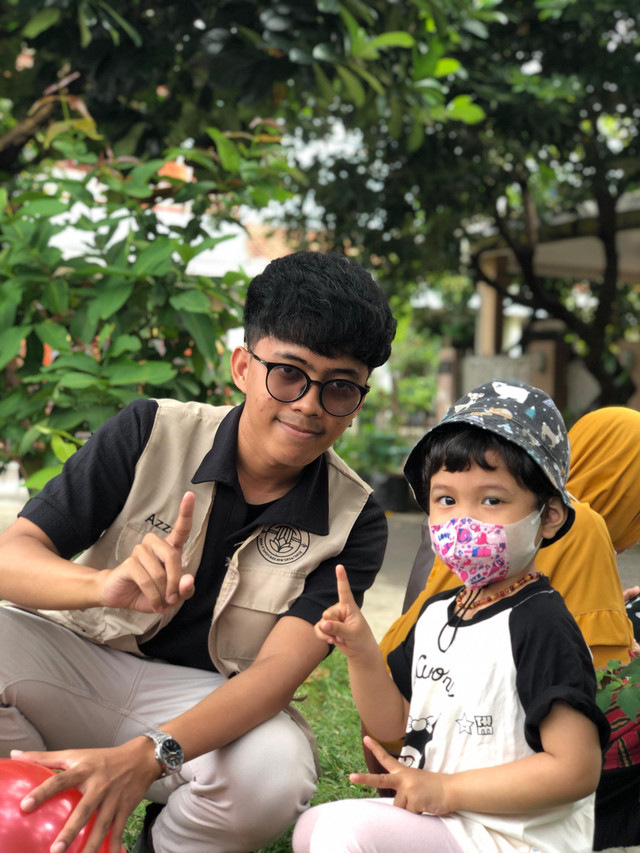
(239, 362)
(553, 517)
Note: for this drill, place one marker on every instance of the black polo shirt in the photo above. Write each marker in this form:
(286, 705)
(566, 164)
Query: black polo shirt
(78, 505)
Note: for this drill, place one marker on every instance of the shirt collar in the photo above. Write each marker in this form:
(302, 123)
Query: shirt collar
(306, 505)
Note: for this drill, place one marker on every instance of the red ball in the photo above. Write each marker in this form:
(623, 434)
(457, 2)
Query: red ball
(35, 831)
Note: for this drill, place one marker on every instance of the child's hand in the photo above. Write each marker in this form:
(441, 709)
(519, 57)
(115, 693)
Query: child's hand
(416, 790)
(343, 624)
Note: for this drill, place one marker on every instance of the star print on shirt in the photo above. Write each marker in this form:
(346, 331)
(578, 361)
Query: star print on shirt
(464, 725)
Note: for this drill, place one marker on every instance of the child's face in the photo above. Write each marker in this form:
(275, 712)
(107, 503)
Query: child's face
(490, 496)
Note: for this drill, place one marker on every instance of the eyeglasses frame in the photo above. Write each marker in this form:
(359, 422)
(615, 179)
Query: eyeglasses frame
(270, 365)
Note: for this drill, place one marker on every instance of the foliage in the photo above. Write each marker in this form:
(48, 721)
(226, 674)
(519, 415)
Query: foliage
(63, 445)
(154, 75)
(118, 92)
(88, 327)
(556, 155)
(371, 450)
(620, 684)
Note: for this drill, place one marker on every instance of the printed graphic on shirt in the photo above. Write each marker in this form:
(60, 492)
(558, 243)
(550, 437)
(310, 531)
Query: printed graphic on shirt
(435, 673)
(480, 724)
(465, 726)
(280, 543)
(419, 734)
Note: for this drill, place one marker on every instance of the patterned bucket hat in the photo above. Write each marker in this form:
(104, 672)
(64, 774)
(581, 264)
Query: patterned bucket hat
(519, 413)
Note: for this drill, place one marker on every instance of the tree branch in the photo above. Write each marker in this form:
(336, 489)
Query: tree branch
(12, 142)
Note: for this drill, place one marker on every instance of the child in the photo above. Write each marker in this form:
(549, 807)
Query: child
(494, 687)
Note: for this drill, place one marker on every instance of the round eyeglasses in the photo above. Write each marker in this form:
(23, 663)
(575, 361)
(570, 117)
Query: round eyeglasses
(287, 383)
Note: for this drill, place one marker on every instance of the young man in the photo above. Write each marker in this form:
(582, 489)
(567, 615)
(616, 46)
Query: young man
(162, 661)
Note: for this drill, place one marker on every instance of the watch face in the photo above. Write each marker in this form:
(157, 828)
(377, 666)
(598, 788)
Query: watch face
(172, 754)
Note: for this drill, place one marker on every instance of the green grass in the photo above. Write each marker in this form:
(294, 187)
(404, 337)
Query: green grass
(328, 707)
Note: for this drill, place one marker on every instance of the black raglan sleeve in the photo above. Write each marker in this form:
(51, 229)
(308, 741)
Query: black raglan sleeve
(553, 663)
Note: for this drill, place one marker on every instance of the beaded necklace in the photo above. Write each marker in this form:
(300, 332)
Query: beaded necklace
(531, 576)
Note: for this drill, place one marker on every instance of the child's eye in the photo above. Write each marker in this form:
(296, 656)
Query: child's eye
(492, 501)
(444, 500)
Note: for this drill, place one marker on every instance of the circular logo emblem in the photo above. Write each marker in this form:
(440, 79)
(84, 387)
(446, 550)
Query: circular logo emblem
(280, 543)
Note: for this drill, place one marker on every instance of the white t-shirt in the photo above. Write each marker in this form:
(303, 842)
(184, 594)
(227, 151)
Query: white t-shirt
(478, 691)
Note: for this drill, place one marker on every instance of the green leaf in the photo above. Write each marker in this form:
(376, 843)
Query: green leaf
(141, 174)
(41, 21)
(62, 449)
(85, 32)
(154, 372)
(398, 38)
(353, 86)
(125, 25)
(55, 335)
(10, 342)
(475, 27)
(375, 84)
(10, 405)
(194, 301)
(153, 259)
(10, 297)
(629, 701)
(189, 251)
(110, 298)
(446, 66)
(55, 296)
(416, 135)
(323, 83)
(124, 344)
(603, 698)
(203, 332)
(79, 380)
(75, 361)
(463, 109)
(45, 207)
(227, 150)
(40, 479)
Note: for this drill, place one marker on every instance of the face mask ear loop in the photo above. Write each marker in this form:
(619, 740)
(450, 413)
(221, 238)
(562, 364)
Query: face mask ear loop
(458, 619)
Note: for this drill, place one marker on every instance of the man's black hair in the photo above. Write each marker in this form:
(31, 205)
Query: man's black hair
(324, 302)
(456, 446)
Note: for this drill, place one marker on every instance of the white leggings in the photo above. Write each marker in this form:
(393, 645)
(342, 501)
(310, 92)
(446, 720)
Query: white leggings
(370, 826)
(59, 691)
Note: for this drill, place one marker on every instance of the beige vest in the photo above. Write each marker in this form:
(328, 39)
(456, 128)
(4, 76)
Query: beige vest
(266, 573)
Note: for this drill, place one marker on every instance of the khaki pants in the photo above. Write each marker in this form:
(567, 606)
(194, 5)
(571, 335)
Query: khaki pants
(59, 691)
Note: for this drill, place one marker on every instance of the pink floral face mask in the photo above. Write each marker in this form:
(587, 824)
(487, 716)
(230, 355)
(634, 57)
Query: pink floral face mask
(480, 553)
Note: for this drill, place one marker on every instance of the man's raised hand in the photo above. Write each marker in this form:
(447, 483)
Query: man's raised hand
(152, 579)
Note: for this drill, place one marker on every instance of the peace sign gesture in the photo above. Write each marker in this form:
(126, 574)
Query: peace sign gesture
(416, 790)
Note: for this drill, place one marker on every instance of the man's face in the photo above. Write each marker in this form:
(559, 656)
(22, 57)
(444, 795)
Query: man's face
(289, 434)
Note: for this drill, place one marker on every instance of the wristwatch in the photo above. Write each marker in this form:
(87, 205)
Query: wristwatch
(168, 751)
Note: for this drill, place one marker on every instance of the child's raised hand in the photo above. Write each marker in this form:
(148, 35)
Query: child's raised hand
(343, 624)
(416, 790)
